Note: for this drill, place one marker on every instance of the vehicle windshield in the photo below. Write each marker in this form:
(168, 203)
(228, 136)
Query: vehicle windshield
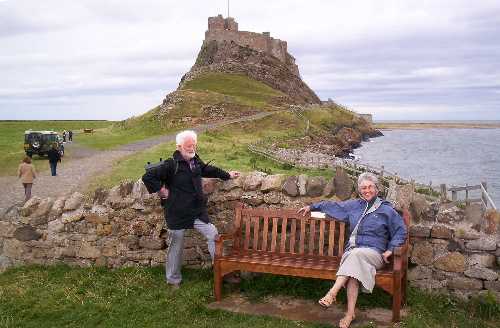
(32, 137)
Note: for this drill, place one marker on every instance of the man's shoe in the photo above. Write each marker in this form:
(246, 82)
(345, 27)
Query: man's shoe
(174, 286)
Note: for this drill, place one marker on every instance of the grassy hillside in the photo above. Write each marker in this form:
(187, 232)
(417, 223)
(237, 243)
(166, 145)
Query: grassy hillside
(12, 139)
(226, 147)
(238, 95)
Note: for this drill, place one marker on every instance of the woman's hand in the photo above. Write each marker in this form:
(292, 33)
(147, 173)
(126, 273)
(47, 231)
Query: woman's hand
(386, 256)
(304, 210)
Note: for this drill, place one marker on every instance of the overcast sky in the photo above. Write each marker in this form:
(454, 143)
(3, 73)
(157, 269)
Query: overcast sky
(112, 59)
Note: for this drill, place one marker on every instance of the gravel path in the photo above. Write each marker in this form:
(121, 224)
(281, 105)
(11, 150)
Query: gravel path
(80, 164)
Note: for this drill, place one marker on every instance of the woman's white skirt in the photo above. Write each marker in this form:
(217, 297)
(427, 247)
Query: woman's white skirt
(362, 264)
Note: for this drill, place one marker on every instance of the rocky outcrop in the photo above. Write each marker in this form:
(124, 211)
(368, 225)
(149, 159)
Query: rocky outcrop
(229, 57)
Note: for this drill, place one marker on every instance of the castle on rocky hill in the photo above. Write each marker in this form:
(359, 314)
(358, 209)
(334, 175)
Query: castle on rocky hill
(226, 29)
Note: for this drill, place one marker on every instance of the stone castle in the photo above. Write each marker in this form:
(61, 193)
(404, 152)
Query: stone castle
(226, 29)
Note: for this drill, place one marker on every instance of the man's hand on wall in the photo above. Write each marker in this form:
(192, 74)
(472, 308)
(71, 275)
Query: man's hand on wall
(163, 193)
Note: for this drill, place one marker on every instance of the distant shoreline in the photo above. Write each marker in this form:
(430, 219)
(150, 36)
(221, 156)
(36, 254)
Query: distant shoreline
(437, 125)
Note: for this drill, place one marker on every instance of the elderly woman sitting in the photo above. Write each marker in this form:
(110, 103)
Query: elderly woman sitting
(375, 230)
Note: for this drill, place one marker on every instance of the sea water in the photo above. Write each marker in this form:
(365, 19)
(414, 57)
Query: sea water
(441, 155)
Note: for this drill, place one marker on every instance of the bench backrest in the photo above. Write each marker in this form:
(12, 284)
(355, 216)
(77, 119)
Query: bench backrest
(286, 232)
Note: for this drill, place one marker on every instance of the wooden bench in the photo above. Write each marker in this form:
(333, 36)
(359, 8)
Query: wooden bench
(280, 241)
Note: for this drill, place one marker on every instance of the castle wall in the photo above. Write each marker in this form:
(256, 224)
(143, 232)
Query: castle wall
(256, 41)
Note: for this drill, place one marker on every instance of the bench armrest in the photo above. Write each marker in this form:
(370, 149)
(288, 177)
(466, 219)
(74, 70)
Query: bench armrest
(399, 255)
(219, 242)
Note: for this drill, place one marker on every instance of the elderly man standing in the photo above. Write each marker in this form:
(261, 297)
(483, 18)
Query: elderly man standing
(178, 182)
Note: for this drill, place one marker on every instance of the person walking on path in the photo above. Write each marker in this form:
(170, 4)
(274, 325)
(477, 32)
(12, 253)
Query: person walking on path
(26, 172)
(54, 158)
(178, 182)
(70, 135)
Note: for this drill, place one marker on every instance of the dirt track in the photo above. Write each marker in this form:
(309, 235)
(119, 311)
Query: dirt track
(82, 163)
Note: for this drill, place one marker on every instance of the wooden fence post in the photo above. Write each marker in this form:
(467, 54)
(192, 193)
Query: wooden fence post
(484, 198)
(444, 195)
(467, 202)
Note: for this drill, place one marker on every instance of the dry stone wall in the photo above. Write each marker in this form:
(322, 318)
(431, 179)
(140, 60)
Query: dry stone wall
(125, 226)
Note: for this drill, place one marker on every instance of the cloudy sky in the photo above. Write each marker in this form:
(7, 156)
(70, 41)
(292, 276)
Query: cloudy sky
(111, 59)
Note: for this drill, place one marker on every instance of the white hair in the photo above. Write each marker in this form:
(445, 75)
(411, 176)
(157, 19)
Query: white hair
(367, 176)
(181, 137)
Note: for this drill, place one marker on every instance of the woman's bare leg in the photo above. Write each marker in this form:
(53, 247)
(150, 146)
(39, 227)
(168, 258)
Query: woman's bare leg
(352, 297)
(331, 296)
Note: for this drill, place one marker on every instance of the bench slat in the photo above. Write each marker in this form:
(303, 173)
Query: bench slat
(312, 235)
(341, 238)
(283, 235)
(274, 235)
(321, 237)
(302, 236)
(293, 231)
(331, 238)
(256, 233)
(265, 231)
(248, 223)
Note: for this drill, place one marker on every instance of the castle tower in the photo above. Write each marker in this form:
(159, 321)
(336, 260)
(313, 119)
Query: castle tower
(226, 29)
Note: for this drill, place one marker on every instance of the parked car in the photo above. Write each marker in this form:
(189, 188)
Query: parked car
(39, 142)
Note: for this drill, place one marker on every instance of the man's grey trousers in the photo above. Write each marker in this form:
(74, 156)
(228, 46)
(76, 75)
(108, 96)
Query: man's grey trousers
(176, 246)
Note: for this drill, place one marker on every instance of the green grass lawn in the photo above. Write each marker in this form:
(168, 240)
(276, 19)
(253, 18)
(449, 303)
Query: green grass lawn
(61, 296)
(226, 147)
(12, 139)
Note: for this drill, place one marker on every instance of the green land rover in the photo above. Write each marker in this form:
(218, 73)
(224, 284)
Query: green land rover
(39, 142)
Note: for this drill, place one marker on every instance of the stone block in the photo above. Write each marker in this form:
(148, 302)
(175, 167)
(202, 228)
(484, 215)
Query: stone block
(73, 202)
(343, 184)
(492, 285)
(422, 253)
(483, 244)
(27, 233)
(152, 243)
(58, 206)
(290, 186)
(14, 249)
(209, 185)
(484, 260)
(420, 231)
(252, 198)
(481, 273)
(104, 229)
(30, 206)
(232, 184)
(272, 182)
(315, 186)
(273, 198)
(87, 251)
(7, 229)
(301, 184)
(441, 231)
(465, 283)
(96, 218)
(451, 262)
(329, 189)
(253, 180)
(419, 272)
(429, 284)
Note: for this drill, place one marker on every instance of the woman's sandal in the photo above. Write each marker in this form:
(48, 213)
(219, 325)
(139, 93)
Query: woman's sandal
(327, 300)
(346, 321)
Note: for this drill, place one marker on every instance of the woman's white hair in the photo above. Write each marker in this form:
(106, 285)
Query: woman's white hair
(181, 137)
(367, 176)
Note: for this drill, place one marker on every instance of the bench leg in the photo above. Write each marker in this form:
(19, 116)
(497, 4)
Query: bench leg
(404, 289)
(217, 282)
(396, 298)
